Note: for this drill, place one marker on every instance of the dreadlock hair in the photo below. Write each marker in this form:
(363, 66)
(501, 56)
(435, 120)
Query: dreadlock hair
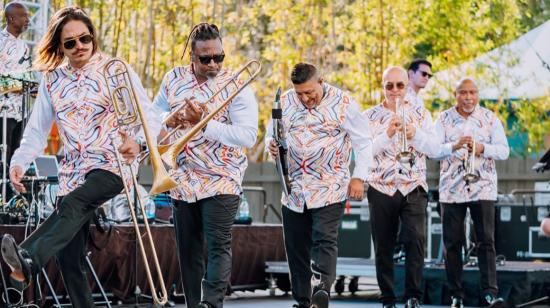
(201, 32)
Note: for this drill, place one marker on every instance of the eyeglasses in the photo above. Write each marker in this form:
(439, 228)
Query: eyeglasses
(399, 85)
(84, 39)
(424, 74)
(206, 59)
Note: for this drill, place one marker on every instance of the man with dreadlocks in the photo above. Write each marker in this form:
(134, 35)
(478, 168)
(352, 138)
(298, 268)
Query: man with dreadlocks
(211, 168)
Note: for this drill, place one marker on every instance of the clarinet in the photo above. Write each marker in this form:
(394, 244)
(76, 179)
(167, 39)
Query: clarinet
(279, 136)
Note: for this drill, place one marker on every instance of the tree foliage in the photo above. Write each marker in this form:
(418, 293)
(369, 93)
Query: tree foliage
(351, 41)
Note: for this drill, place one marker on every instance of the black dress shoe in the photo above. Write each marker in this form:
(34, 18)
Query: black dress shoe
(320, 299)
(457, 302)
(412, 303)
(300, 306)
(390, 305)
(18, 260)
(204, 304)
(494, 302)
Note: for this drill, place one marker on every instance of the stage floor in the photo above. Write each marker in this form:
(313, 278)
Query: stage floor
(518, 281)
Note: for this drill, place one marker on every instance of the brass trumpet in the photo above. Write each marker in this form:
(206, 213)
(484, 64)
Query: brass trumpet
(171, 151)
(404, 157)
(472, 174)
(130, 115)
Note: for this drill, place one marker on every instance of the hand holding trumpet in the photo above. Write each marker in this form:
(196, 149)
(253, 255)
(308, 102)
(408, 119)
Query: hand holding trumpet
(468, 143)
(396, 126)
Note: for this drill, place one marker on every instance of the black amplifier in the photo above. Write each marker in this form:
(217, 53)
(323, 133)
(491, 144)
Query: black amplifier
(354, 235)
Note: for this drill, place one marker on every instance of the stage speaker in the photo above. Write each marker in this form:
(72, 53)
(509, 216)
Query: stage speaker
(354, 236)
(517, 232)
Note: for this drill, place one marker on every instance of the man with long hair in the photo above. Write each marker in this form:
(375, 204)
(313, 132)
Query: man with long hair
(15, 59)
(74, 95)
(211, 168)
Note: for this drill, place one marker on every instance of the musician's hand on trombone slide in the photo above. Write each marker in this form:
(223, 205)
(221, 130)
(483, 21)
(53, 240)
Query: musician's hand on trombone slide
(129, 147)
(193, 112)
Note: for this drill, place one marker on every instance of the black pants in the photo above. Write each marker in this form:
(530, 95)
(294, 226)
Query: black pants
(483, 217)
(311, 242)
(64, 234)
(210, 218)
(13, 139)
(386, 212)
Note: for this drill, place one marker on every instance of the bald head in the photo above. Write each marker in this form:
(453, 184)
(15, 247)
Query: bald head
(394, 82)
(17, 17)
(395, 71)
(12, 8)
(466, 94)
(465, 80)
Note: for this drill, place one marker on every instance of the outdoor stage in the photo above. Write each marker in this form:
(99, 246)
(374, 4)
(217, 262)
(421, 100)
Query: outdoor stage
(113, 255)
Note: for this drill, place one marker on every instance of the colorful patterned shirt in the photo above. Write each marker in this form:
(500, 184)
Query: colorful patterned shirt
(214, 161)
(487, 129)
(387, 174)
(15, 58)
(79, 102)
(319, 143)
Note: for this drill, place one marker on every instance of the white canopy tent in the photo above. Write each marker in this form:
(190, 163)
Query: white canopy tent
(520, 69)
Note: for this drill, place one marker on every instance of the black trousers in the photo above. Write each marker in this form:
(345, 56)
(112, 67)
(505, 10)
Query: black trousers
(13, 139)
(65, 233)
(210, 219)
(483, 217)
(386, 212)
(311, 242)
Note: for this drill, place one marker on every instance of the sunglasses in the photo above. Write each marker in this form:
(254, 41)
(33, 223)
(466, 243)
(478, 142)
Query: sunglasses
(84, 39)
(206, 59)
(424, 74)
(389, 86)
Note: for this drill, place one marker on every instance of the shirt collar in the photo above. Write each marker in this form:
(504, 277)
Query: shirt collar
(6, 33)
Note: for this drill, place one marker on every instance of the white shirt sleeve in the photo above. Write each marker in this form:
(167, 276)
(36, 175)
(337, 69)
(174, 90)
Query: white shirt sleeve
(498, 149)
(357, 126)
(243, 130)
(161, 100)
(268, 135)
(150, 111)
(445, 149)
(424, 139)
(36, 132)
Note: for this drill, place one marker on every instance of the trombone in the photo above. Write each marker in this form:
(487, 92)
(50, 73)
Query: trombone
(404, 157)
(129, 115)
(170, 152)
(472, 175)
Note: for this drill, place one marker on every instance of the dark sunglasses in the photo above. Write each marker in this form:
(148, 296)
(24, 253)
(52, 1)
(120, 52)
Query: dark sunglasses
(84, 39)
(424, 74)
(206, 59)
(389, 86)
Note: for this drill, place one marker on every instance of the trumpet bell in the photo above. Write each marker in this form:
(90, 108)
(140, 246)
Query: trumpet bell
(405, 157)
(471, 177)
